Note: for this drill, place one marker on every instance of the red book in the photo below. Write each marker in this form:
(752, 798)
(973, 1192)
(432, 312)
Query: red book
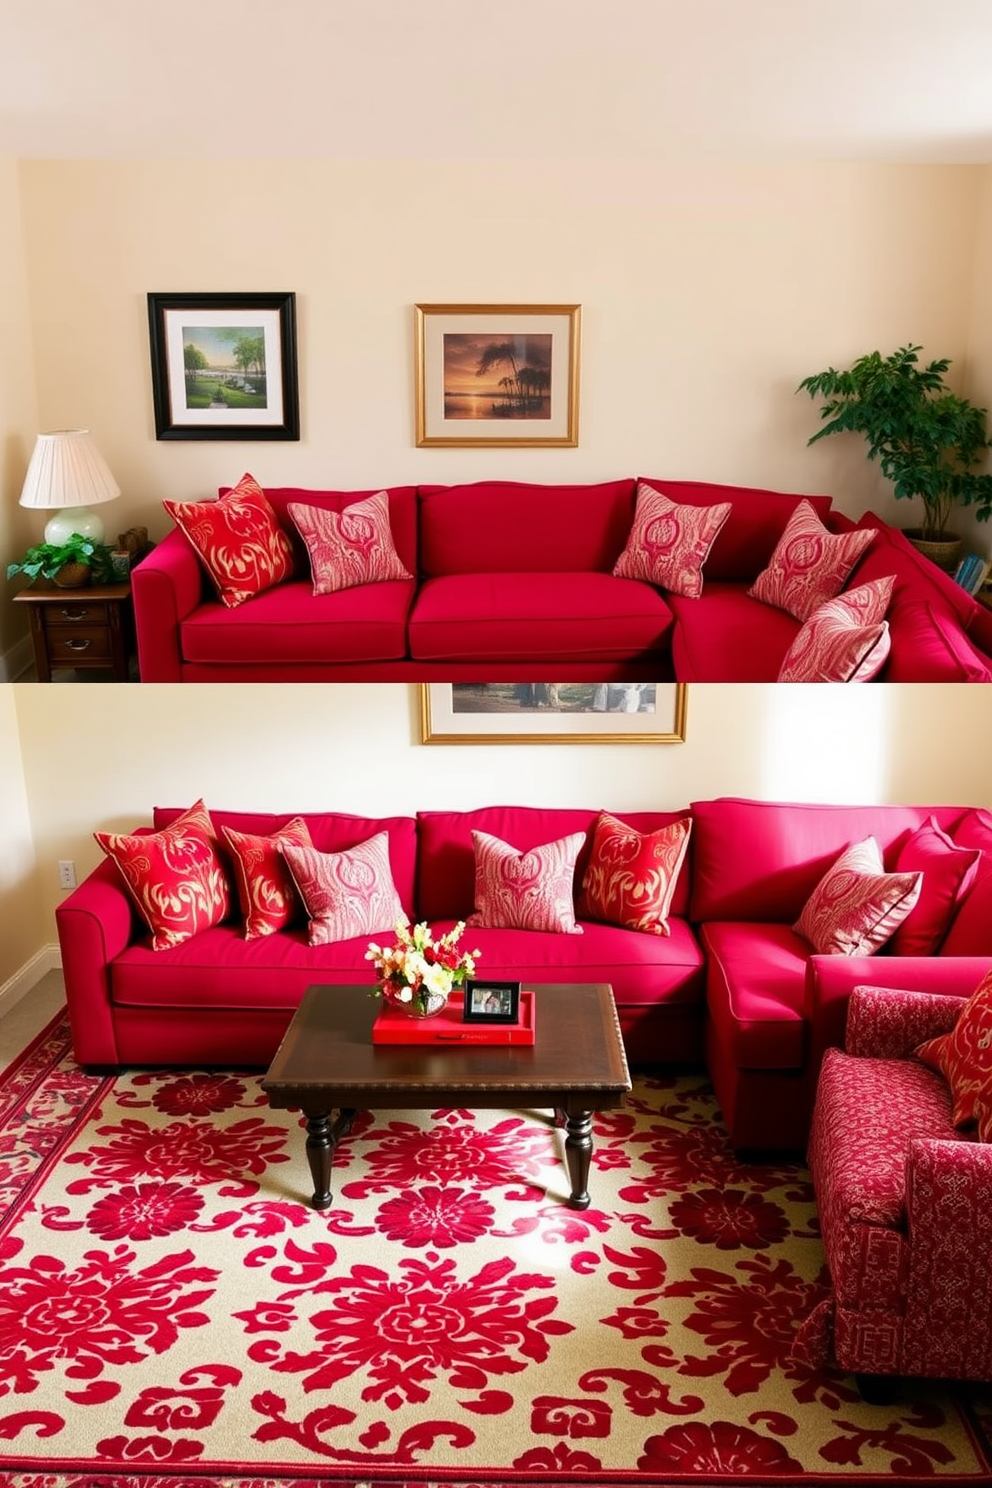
(392, 1026)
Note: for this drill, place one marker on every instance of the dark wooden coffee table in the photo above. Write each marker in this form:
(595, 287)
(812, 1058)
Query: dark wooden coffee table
(327, 1062)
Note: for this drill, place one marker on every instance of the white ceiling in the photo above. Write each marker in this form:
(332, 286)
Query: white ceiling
(907, 80)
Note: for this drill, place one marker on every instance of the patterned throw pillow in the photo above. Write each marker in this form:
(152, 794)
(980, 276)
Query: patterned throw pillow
(350, 547)
(266, 890)
(964, 1058)
(809, 564)
(238, 539)
(846, 639)
(346, 893)
(669, 543)
(526, 890)
(856, 905)
(174, 876)
(631, 875)
(948, 873)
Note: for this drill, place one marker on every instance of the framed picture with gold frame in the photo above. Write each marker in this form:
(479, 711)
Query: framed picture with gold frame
(553, 712)
(496, 375)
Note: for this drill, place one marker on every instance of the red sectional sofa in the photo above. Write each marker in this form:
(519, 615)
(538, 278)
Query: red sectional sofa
(513, 577)
(733, 983)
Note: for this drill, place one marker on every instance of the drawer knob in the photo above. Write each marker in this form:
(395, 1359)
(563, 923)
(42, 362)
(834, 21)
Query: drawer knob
(75, 644)
(73, 614)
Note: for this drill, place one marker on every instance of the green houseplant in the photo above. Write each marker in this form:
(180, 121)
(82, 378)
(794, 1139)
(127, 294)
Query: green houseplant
(926, 439)
(69, 564)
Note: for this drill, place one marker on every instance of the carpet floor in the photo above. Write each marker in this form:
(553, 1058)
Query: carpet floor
(173, 1313)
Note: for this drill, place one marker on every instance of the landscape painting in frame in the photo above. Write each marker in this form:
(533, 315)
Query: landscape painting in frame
(553, 712)
(224, 366)
(497, 375)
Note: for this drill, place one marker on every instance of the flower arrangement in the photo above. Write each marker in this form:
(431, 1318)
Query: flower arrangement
(420, 970)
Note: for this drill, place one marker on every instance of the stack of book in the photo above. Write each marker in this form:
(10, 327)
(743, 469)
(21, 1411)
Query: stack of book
(972, 572)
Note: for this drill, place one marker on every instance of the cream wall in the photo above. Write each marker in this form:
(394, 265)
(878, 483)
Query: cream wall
(24, 925)
(708, 291)
(980, 340)
(18, 406)
(356, 748)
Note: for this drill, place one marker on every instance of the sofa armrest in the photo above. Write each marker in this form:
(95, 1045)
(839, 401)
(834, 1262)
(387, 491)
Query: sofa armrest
(166, 587)
(890, 1023)
(95, 924)
(947, 1327)
(830, 980)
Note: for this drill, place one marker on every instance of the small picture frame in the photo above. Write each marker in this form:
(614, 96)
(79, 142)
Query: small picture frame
(491, 1002)
(120, 564)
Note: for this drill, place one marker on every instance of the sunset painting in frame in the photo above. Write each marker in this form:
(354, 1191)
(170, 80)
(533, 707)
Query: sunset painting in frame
(497, 374)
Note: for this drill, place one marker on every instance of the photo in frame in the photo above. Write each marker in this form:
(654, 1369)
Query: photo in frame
(494, 375)
(491, 1002)
(553, 712)
(224, 366)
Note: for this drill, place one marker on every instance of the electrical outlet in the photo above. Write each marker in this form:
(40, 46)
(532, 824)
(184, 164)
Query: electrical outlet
(67, 874)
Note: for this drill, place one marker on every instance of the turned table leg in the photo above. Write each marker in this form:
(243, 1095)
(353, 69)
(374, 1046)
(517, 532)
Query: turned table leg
(578, 1153)
(323, 1135)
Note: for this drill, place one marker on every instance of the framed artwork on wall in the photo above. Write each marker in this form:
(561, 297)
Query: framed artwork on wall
(224, 366)
(553, 712)
(497, 375)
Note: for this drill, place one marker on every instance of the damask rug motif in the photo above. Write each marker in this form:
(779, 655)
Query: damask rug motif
(173, 1313)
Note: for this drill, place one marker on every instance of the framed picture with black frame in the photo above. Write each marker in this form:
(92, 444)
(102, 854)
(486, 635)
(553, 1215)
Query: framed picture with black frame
(491, 1002)
(224, 366)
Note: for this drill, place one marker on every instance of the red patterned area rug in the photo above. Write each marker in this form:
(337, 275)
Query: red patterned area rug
(174, 1315)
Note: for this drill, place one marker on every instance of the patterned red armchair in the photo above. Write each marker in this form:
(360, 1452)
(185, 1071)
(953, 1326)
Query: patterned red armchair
(905, 1204)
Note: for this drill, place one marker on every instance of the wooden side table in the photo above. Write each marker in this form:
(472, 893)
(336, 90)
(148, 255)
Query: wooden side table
(83, 628)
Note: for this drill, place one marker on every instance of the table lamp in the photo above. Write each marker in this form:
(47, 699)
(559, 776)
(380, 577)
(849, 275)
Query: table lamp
(68, 472)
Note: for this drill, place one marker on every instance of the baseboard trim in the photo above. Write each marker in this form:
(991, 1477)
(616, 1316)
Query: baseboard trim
(13, 664)
(49, 958)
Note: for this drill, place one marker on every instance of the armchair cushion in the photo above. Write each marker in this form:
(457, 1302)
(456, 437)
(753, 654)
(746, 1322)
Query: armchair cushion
(668, 543)
(964, 1055)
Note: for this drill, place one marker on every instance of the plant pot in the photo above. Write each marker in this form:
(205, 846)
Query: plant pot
(73, 575)
(944, 551)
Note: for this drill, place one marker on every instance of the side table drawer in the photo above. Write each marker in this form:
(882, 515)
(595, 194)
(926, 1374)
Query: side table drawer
(74, 612)
(73, 645)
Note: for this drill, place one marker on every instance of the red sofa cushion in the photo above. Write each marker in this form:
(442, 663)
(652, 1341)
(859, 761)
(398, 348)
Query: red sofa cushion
(446, 862)
(330, 831)
(971, 929)
(402, 516)
(928, 645)
(761, 860)
(273, 971)
(725, 636)
(537, 617)
(523, 527)
(755, 981)
(757, 520)
(948, 873)
(290, 624)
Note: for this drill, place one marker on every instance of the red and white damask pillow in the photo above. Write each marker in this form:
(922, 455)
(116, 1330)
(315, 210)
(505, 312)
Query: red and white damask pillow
(846, 639)
(238, 539)
(964, 1058)
(669, 542)
(266, 891)
(175, 876)
(630, 878)
(809, 564)
(351, 547)
(346, 893)
(526, 890)
(857, 906)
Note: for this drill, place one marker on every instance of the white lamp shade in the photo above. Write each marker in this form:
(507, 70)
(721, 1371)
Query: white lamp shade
(68, 471)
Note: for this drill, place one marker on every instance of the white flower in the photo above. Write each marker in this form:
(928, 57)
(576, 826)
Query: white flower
(404, 994)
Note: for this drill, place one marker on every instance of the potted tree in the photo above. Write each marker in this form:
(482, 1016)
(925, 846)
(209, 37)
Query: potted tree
(70, 564)
(927, 440)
